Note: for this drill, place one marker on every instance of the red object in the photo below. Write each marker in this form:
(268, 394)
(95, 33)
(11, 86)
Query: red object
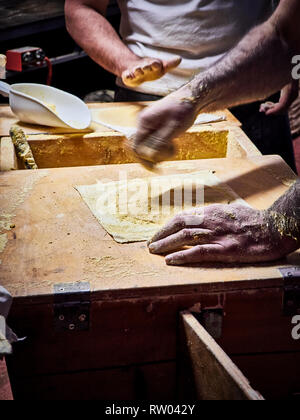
(50, 71)
(14, 60)
(19, 58)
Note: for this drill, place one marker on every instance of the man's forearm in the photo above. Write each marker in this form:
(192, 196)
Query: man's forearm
(284, 214)
(257, 67)
(98, 38)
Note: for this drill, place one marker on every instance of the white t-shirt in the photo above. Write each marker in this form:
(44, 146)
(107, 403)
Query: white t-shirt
(199, 31)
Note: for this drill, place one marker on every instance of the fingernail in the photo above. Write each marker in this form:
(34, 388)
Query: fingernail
(152, 248)
(169, 260)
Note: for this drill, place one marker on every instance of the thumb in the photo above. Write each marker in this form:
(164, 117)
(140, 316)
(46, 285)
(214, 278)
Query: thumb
(171, 64)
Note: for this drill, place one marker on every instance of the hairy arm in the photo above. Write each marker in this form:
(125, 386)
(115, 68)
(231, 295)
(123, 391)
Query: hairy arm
(88, 26)
(233, 233)
(257, 67)
(284, 215)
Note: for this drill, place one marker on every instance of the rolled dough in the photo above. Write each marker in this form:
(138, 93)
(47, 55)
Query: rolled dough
(134, 210)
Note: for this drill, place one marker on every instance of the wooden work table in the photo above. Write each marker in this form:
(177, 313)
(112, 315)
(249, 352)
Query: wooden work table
(56, 238)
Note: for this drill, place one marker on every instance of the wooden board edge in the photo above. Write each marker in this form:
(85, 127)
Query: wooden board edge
(221, 368)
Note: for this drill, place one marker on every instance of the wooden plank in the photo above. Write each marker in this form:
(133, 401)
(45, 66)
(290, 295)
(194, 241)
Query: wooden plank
(216, 376)
(56, 239)
(238, 139)
(107, 148)
(5, 388)
(98, 145)
(8, 158)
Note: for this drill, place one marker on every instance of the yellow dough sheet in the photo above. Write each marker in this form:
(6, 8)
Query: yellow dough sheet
(127, 116)
(124, 116)
(134, 210)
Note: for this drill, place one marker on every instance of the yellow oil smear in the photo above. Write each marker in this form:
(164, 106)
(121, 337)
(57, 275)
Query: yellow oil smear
(52, 107)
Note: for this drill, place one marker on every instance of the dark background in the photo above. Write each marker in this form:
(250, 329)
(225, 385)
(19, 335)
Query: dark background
(41, 23)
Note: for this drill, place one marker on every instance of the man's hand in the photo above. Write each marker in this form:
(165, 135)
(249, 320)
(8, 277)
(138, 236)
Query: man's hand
(147, 70)
(288, 95)
(224, 234)
(161, 123)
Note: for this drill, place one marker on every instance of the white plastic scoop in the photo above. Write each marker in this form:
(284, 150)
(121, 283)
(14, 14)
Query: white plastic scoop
(46, 105)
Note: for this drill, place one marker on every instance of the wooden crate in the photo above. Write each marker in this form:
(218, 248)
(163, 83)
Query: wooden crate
(95, 333)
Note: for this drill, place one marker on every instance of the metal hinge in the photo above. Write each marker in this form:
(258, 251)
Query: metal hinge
(291, 293)
(72, 307)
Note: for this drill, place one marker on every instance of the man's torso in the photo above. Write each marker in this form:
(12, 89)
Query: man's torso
(199, 31)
